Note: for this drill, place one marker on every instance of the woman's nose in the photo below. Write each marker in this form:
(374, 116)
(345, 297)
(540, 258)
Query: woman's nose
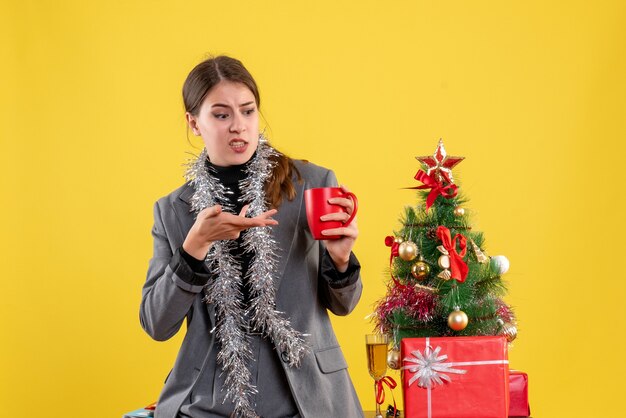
(237, 125)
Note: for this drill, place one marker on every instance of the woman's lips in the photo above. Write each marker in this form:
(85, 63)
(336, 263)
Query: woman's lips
(238, 145)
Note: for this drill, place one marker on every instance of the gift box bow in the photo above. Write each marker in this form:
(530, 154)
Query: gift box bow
(430, 368)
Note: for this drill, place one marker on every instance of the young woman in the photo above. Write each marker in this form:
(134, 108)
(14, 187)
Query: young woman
(233, 256)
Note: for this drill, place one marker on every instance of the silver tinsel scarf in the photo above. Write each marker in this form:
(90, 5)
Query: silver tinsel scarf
(225, 290)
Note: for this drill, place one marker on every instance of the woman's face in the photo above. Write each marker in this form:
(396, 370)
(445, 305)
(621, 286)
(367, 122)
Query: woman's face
(228, 122)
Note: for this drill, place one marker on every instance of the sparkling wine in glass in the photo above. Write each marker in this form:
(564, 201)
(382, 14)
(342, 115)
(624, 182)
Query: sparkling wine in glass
(376, 346)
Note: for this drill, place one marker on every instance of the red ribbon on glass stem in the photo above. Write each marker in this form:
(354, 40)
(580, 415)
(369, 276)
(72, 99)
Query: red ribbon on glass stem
(437, 188)
(380, 391)
(458, 268)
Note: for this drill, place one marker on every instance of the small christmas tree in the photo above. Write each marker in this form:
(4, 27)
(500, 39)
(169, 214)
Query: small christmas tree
(442, 282)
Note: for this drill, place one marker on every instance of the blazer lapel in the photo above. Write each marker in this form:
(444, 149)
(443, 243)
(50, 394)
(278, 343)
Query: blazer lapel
(286, 231)
(184, 215)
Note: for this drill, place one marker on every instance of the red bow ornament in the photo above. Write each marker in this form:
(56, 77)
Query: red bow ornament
(436, 188)
(391, 242)
(458, 268)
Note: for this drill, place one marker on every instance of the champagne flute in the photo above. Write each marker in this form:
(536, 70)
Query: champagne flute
(376, 346)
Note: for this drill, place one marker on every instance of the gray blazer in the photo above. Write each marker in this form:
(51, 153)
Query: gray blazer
(321, 386)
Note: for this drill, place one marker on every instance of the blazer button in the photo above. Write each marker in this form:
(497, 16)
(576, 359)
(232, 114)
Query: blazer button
(285, 356)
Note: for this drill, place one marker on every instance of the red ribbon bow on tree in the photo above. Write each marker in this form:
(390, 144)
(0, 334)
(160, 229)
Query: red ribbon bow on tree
(437, 188)
(391, 242)
(458, 268)
(380, 391)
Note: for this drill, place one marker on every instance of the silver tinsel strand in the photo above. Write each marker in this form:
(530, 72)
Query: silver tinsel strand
(264, 316)
(225, 291)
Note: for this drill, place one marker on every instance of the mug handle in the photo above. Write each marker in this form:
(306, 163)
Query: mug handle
(355, 201)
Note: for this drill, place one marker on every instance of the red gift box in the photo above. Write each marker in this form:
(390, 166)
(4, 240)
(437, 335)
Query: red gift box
(518, 394)
(455, 377)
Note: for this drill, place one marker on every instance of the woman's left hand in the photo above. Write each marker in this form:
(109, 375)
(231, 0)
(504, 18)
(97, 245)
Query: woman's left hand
(340, 249)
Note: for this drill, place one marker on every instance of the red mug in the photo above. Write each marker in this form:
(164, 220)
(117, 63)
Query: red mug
(316, 202)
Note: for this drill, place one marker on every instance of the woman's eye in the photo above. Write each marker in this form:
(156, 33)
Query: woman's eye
(220, 115)
(248, 111)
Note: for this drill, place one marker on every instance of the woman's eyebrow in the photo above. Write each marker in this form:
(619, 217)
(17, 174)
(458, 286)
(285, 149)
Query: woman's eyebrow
(227, 106)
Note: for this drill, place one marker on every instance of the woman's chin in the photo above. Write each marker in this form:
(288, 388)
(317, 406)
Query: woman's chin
(238, 159)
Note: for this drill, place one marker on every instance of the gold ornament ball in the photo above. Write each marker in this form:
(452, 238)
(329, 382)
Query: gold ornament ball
(509, 331)
(459, 211)
(398, 240)
(420, 270)
(407, 250)
(393, 359)
(457, 320)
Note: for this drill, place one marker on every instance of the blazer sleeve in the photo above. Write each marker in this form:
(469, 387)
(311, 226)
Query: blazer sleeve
(171, 286)
(340, 291)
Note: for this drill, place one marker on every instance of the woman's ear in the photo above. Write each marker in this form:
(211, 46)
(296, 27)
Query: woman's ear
(192, 123)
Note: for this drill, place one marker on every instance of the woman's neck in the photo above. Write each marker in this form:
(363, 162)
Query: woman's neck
(229, 176)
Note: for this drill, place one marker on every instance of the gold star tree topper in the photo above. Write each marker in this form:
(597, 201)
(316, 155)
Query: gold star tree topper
(440, 163)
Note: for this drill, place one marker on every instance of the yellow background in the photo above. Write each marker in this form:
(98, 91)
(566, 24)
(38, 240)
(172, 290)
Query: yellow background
(531, 93)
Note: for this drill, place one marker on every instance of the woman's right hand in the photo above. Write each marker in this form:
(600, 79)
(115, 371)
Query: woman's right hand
(212, 224)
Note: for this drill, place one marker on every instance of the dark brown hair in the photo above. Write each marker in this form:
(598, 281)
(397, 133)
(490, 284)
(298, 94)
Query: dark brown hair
(202, 79)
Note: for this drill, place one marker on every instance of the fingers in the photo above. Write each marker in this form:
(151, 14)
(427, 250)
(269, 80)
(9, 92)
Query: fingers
(241, 223)
(343, 231)
(270, 222)
(264, 219)
(252, 222)
(336, 216)
(342, 201)
(210, 211)
(346, 202)
(268, 213)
